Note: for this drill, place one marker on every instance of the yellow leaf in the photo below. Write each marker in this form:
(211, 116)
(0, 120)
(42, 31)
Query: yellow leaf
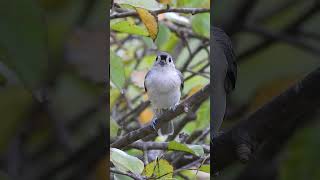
(150, 21)
(146, 116)
(164, 1)
(194, 90)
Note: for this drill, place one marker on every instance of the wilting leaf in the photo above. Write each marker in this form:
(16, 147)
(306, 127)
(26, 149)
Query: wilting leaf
(150, 21)
(124, 162)
(130, 28)
(159, 168)
(116, 70)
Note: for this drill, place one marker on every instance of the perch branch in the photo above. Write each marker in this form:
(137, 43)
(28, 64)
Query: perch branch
(186, 105)
(158, 146)
(160, 11)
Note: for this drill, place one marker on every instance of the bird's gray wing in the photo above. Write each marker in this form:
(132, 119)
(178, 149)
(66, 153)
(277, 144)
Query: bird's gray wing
(181, 78)
(225, 43)
(144, 83)
(224, 75)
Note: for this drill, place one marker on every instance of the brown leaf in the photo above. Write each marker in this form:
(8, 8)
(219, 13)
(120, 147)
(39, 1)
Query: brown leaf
(150, 21)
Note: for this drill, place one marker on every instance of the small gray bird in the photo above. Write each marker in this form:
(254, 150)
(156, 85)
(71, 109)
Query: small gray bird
(163, 84)
(224, 75)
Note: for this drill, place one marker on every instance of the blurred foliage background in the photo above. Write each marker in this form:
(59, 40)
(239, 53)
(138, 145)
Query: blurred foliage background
(134, 43)
(277, 43)
(52, 84)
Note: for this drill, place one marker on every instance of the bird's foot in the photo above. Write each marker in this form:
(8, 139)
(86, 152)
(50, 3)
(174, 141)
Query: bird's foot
(173, 108)
(154, 124)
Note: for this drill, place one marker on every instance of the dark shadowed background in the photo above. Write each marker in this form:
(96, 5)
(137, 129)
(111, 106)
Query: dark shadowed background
(53, 71)
(277, 43)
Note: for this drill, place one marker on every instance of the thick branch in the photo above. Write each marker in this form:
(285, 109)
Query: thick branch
(187, 104)
(160, 11)
(269, 120)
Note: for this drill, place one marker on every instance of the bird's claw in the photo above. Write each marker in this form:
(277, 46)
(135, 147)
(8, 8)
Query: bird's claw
(154, 124)
(173, 108)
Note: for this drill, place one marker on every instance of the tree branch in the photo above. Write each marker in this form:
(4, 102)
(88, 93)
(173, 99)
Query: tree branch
(160, 11)
(269, 120)
(158, 146)
(186, 105)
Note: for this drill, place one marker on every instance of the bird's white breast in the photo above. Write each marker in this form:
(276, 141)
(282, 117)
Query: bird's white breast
(163, 87)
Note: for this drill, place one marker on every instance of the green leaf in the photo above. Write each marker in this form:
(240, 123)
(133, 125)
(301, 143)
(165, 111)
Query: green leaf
(114, 127)
(15, 104)
(197, 149)
(163, 35)
(114, 94)
(23, 36)
(174, 145)
(159, 168)
(193, 149)
(203, 115)
(117, 71)
(201, 24)
(124, 162)
(149, 4)
(121, 177)
(130, 28)
(194, 4)
(205, 168)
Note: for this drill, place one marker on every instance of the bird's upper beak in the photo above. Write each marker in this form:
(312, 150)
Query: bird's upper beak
(162, 62)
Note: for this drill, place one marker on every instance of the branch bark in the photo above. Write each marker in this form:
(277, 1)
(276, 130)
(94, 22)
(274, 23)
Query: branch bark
(269, 120)
(158, 146)
(186, 105)
(161, 11)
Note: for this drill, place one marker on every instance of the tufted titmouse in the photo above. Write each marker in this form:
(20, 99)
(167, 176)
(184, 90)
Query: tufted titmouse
(224, 75)
(163, 84)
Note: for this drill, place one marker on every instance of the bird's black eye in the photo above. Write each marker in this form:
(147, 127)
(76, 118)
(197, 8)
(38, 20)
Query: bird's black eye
(157, 58)
(169, 60)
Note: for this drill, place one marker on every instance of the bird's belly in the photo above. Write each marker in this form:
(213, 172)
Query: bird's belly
(164, 100)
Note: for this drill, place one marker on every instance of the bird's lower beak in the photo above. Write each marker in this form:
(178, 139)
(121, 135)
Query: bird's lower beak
(162, 63)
